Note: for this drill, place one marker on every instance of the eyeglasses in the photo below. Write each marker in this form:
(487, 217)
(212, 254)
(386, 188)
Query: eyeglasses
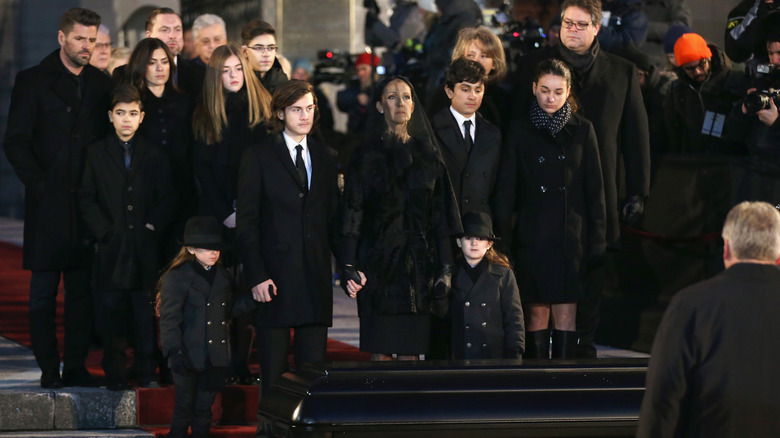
(261, 49)
(702, 65)
(103, 45)
(579, 25)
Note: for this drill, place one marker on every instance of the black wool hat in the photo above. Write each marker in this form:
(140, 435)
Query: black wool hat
(478, 225)
(203, 232)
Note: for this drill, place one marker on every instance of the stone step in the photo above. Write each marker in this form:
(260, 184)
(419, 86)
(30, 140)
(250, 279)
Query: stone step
(117, 433)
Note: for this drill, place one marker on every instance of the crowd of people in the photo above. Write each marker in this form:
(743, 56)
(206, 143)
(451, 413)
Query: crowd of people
(474, 219)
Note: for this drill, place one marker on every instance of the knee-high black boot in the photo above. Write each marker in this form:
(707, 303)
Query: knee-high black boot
(564, 344)
(537, 345)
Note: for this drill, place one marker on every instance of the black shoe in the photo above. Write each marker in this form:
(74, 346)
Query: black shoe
(117, 386)
(51, 380)
(79, 377)
(248, 380)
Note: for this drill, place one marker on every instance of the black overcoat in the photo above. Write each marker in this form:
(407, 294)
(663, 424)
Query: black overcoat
(285, 234)
(609, 96)
(713, 367)
(194, 314)
(473, 175)
(49, 128)
(554, 186)
(487, 316)
(117, 204)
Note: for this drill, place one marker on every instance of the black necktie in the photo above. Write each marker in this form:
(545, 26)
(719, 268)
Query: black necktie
(128, 153)
(301, 166)
(469, 141)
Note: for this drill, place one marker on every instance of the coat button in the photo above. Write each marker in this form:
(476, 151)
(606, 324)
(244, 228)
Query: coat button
(465, 200)
(468, 345)
(159, 111)
(484, 324)
(129, 208)
(165, 142)
(467, 175)
(223, 322)
(483, 305)
(210, 341)
(300, 195)
(224, 304)
(163, 130)
(467, 304)
(222, 342)
(561, 157)
(542, 189)
(68, 109)
(208, 323)
(561, 189)
(208, 304)
(130, 227)
(468, 326)
(541, 160)
(484, 345)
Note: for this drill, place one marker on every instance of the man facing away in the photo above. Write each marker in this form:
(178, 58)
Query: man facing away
(57, 108)
(713, 368)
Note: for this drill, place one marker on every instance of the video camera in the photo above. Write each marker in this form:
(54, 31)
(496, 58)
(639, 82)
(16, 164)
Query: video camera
(759, 100)
(332, 66)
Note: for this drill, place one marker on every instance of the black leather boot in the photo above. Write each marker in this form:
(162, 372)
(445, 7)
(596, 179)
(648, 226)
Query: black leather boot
(564, 344)
(537, 345)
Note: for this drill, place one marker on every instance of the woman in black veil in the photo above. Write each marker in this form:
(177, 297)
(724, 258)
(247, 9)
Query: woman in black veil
(399, 214)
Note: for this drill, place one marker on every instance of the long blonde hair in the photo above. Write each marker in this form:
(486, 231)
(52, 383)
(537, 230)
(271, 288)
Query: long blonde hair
(493, 48)
(210, 116)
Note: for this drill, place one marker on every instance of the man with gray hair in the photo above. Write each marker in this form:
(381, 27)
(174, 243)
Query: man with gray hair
(101, 56)
(713, 369)
(208, 31)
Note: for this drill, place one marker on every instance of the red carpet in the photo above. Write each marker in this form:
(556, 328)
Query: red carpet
(235, 408)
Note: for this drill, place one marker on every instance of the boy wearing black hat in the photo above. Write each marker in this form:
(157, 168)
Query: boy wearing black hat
(126, 198)
(487, 316)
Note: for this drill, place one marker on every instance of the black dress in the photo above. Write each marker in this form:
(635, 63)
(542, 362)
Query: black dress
(400, 207)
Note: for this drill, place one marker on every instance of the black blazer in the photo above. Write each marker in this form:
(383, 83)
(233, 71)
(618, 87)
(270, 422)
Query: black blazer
(49, 128)
(287, 235)
(474, 174)
(117, 205)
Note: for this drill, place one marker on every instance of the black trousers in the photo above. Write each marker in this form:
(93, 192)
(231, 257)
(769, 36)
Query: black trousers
(78, 318)
(192, 408)
(310, 344)
(126, 309)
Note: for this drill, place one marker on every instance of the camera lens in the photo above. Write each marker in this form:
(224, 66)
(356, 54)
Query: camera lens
(755, 102)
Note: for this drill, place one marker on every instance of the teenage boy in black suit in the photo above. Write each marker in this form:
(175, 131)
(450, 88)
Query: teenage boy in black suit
(285, 218)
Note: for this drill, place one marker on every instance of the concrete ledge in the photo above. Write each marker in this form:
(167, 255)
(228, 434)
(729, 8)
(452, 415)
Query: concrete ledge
(27, 411)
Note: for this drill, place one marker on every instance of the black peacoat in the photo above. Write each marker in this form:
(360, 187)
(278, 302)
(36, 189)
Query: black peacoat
(473, 175)
(286, 234)
(609, 96)
(49, 128)
(487, 316)
(554, 186)
(117, 204)
(194, 314)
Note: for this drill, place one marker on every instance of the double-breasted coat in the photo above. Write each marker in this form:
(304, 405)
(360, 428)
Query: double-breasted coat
(487, 316)
(554, 186)
(285, 233)
(49, 127)
(117, 203)
(607, 88)
(194, 314)
(473, 174)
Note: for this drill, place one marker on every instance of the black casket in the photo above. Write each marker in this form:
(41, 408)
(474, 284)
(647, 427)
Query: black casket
(590, 398)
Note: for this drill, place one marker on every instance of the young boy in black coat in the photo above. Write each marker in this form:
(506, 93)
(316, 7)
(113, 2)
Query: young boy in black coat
(126, 198)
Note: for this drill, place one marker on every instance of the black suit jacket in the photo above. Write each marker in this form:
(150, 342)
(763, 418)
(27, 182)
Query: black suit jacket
(117, 204)
(713, 368)
(286, 234)
(474, 174)
(49, 128)
(610, 97)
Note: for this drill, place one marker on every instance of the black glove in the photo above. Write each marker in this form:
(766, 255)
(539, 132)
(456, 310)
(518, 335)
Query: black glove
(179, 362)
(349, 272)
(632, 210)
(443, 282)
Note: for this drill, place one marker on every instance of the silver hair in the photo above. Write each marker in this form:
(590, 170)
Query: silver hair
(104, 29)
(207, 20)
(753, 231)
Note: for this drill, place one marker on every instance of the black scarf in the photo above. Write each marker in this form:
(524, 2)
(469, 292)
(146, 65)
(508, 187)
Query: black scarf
(580, 63)
(545, 122)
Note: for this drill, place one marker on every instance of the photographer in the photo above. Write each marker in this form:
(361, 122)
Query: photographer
(698, 102)
(758, 176)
